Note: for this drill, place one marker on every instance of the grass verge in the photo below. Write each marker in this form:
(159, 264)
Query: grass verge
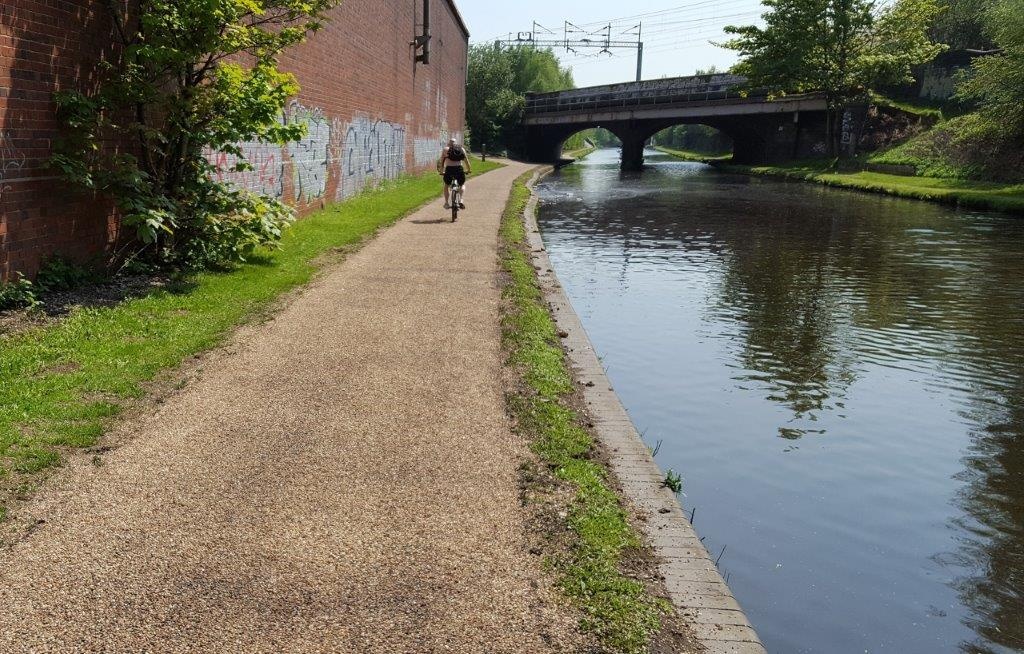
(618, 611)
(957, 192)
(916, 108)
(61, 384)
(689, 155)
(581, 153)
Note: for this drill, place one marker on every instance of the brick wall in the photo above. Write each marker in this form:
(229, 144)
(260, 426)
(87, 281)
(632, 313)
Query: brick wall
(373, 114)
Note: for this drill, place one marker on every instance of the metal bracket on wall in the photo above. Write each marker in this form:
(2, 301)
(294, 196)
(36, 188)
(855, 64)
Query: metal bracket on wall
(422, 42)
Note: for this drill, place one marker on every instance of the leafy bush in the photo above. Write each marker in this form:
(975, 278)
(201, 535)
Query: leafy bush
(18, 294)
(59, 274)
(174, 93)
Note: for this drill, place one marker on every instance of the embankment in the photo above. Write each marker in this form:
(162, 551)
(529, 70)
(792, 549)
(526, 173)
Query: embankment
(968, 194)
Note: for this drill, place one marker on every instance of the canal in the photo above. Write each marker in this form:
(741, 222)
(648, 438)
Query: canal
(838, 377)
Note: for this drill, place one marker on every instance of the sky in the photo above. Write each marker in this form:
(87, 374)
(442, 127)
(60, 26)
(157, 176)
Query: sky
(676, 33)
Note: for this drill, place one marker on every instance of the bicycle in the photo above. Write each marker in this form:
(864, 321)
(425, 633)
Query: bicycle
(456, 199)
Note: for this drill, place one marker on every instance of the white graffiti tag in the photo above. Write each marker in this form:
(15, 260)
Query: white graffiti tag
(373, 150)
(11, 161)
(310, 154)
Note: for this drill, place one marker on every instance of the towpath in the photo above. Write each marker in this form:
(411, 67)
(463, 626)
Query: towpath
(341, 479)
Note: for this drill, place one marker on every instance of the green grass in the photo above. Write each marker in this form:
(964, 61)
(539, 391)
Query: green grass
(578, 154)
(61, 385)
(958, 192)
(965, 147)
(617, 609)
(690, 155)
(908, 106)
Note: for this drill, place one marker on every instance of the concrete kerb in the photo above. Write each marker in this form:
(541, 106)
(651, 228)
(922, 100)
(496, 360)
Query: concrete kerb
(695, 587)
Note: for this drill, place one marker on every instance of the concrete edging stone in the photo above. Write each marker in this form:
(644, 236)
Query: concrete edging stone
(694, 585)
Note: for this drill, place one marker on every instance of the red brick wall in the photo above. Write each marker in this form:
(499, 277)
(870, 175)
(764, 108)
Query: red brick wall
(39, 215)
(373, 113)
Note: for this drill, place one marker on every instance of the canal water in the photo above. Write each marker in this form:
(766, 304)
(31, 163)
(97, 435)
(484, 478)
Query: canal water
(839, 378)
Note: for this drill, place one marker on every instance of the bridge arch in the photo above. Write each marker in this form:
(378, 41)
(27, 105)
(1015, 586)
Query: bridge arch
(762, 129)
(694, 137)
(544, 144)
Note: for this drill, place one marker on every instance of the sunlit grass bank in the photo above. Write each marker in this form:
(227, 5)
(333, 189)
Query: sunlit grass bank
(957, 192)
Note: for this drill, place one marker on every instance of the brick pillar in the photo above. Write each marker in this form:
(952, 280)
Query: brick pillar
(632, 151)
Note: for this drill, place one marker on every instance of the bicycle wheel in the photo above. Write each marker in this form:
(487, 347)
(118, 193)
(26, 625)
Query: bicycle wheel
(456, 198)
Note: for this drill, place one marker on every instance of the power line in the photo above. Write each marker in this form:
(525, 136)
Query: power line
(662, 14)
(673, 10)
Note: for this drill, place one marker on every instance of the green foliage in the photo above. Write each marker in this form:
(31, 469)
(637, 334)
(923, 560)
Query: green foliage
(996, 82)
(616, 608)
(59, 274)
(964, 193)
(965, 147)
(841, 48)
(605, 139)
(18, 294)
(673, 481)
(695, 138)
(961, 24)
(497, 83)
(914, 107)
(174, 93)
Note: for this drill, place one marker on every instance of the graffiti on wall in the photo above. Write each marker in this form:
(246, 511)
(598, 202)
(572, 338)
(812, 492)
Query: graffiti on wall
(266, 176)
(310, 154)
(426, 151)
(372, 151)
(353, 155)
(11, 161)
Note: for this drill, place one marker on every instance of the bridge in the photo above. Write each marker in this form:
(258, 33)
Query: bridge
(763, 129)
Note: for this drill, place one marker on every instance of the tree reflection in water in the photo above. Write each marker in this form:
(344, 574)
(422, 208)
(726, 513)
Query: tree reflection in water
(821, 291)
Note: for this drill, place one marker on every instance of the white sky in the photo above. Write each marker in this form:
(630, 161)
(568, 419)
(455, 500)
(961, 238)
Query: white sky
(676, 33)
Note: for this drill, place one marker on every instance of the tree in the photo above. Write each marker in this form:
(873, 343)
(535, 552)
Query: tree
(701, 139)
(491, 104)
(538, 71)
(189, 77)
(840, 48)
(997, 82)
(961, 24)
(498, 81)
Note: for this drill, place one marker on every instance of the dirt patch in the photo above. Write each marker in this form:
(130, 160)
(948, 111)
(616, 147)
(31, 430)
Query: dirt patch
(56, 305)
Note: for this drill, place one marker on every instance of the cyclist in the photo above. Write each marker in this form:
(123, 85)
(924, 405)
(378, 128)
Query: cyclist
(454, 164)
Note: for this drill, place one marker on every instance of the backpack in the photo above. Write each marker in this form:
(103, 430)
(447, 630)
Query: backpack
(456, 153)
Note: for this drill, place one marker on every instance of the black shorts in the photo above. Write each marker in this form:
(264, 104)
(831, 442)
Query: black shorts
(452, 173)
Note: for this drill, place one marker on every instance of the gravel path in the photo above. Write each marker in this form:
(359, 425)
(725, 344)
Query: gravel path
(341, 479)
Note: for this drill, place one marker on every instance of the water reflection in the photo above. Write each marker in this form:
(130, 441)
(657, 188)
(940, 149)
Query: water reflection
(889, 334)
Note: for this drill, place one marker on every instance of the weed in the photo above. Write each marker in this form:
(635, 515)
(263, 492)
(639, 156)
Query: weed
(673, 481)
(657, 447)
(18, 294)
(59, 274)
